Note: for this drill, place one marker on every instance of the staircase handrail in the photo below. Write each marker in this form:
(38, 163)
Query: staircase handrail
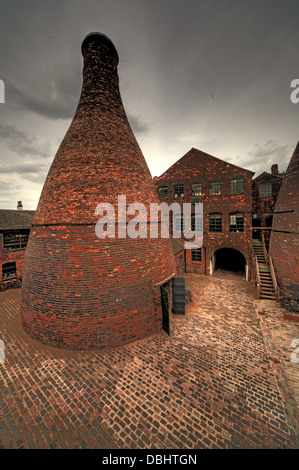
(276, 287)
(257, 275)
(264, 249)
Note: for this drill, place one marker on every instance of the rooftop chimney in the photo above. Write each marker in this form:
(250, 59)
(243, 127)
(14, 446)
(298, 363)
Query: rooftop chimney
(79, 291)
(20, 206)
(274, 170)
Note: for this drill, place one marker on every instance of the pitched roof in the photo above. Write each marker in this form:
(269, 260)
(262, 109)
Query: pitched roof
(15, 219)
(190, 159)
(177, 246)
(269, 175)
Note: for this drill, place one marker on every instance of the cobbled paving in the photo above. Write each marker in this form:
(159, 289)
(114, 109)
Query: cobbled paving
(211, 384)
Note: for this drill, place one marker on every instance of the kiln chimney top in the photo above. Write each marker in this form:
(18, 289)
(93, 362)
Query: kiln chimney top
(98, 39)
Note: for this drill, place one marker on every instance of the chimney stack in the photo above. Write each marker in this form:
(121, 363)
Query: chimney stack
(274, 170)
(80, 291)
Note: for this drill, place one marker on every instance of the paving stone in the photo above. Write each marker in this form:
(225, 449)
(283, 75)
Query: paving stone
(211, 384)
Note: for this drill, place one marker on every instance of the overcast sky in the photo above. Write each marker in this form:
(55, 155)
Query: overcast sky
(211, 74)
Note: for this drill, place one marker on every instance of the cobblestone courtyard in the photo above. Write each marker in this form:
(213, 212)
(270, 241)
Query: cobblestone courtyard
(223, 379)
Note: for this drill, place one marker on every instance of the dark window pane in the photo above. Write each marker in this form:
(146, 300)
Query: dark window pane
(237, 186)
(8, 271)
(163, 193)
(178, 191)
(215, 223)
(215, 188)
(196, 254)
(236, 222)
(265, 190)
(15, 240)
(196, 189)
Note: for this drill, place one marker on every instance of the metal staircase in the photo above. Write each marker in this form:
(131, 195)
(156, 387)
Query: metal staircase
(267, 287)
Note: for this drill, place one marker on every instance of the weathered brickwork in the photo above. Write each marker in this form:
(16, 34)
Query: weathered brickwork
(284, 242)
(12, 224)
(80, 291)
(199, 167)
(11, 257)
(263, 207)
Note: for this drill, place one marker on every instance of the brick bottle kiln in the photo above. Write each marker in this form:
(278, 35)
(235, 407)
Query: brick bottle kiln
(284, 240)
(79, 291)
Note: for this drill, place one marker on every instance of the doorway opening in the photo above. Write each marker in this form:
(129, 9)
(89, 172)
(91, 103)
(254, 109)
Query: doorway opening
(228, 263)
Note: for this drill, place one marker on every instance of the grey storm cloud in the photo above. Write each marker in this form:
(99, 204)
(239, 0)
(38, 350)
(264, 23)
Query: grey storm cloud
(199, 73)
(139, 125)
(35, 172)
(271, 149)
(264, 155)
(21, 142)
(52, 92)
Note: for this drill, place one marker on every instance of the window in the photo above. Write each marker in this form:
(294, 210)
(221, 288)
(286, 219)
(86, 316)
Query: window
(215, 188)
(196, 189)
(215, 223)
(236, 222)
(178, 191)
(163, 193)
(265, 190)
(181, 259)
(15, 240)
(179, 223)
(196, 223)
(196, 254)
(8, 271)
(236, 186)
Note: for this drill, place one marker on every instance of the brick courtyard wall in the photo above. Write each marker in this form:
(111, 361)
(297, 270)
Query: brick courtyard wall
(79, 291)
(284, 242)
(199, 167)
(265, 206)
(16, 256)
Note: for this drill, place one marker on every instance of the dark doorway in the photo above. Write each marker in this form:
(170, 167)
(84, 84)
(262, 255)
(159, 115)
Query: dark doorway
(165, 310)
(228, 261)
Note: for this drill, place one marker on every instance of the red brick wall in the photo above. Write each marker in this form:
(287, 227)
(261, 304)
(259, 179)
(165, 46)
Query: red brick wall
(16, 256)
(284, 242)
(79, 291)
(180, 262)
(196, 166)
(264, 207)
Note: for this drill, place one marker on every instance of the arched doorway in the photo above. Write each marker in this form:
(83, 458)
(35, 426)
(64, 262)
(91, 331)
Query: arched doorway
(229, 263)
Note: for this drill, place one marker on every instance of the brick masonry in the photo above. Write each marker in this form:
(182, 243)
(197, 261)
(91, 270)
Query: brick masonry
(80, 291)
(213, 383)
(199, 167)
(284, 241)
(264, 207)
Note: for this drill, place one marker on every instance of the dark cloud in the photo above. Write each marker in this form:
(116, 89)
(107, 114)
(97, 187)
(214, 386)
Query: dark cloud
(21, 142)
(52, 92)
(265, 155)
(35, 172)
(199, 73)
(139, 125)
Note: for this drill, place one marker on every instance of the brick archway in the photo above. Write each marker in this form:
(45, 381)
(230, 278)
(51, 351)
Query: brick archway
(228, 261)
